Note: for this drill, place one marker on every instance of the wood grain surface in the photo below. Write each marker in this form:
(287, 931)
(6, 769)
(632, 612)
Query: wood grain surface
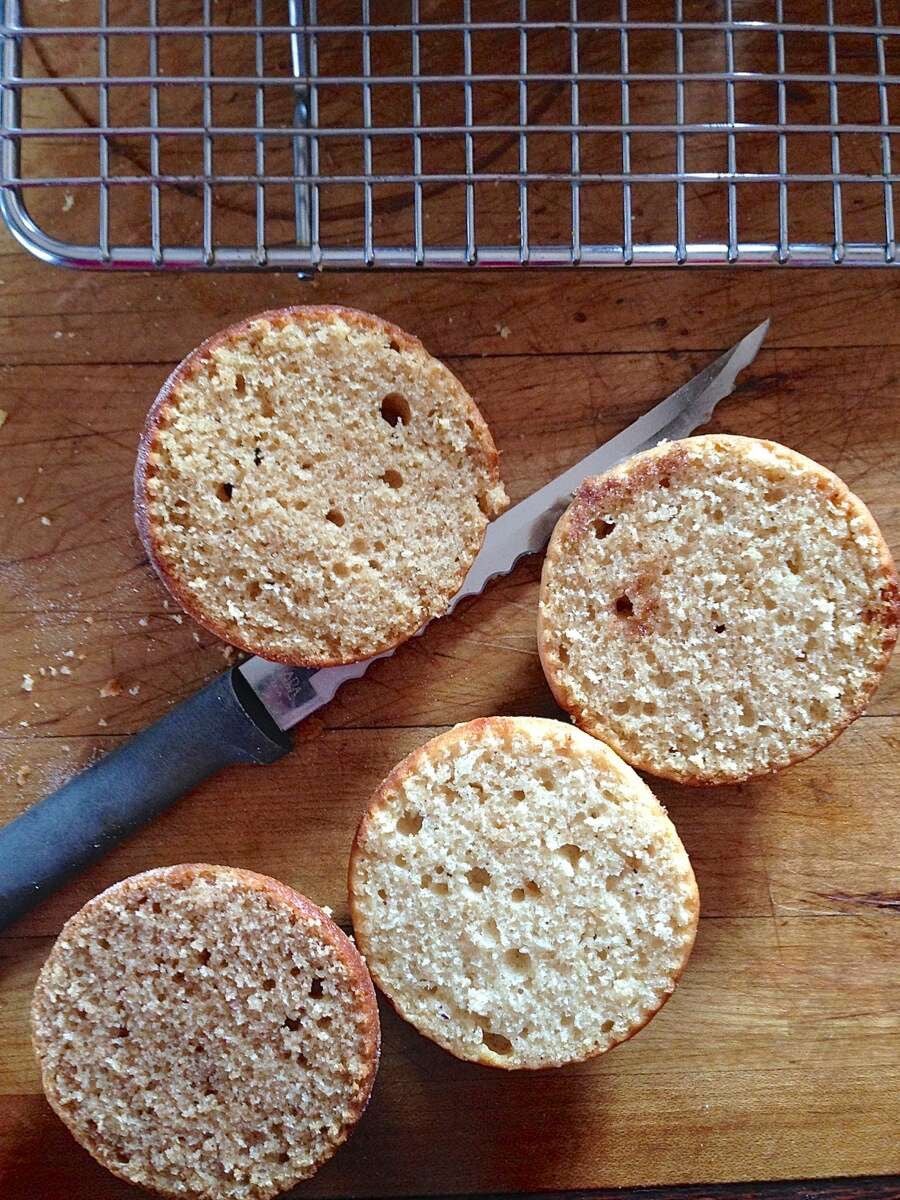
(778, 1056)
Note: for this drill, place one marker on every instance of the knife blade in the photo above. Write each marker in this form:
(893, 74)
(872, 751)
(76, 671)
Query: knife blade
(292, 693)
(242, 716)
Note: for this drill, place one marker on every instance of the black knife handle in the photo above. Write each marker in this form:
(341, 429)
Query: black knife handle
(221, 725)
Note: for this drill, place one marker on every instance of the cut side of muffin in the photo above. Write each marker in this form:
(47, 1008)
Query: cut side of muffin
(313, 486)
(716, 608)
(206, 1032)
(520, 895)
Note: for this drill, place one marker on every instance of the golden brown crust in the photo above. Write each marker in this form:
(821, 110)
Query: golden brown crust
(278, 318)
(562, 736)
(300, 908)
(644, 470)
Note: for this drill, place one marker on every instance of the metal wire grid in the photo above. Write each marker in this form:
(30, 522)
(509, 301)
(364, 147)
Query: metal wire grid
(330, 134)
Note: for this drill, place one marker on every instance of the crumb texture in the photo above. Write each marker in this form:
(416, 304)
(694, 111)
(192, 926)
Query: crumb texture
(315, 485)
(205, 1035)
(716, 608)
(520, 895)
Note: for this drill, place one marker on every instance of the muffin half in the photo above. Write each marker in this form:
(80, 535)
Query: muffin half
(312, 486)
(716, 608)
(206, 1032)
(520, 895)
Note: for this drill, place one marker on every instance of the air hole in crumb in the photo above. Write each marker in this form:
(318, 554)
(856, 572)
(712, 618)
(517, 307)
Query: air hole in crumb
(315, 988)
(395, 408)
(720, 629)
(257, 456)
(395, 345)
(293, 1023)
(253, 589)
(268, 985)
(358, 545)
(240, 385)
(795, 563)
(382, 894)
(748, 712)
(518, 961)
(121, 1031)
(606, 1027)
(496, 1042)
(478, 879)
(439, 889)
(518, 795)
(323, 1022)
(410, 824)
(392, 478)
(665, 482)
(378, 546)
(203, 957)
(224, 492)
(284, 1157)
(400, 860)
(341, 570)
(603, 529)
(624, 607)
(518, 895)
(571, 854)
(336, 517)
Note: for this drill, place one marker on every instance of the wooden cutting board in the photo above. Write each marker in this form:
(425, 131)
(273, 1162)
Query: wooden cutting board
(778, 1056)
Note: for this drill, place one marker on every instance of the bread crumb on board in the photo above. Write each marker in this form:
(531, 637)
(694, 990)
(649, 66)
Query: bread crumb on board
(112, 687)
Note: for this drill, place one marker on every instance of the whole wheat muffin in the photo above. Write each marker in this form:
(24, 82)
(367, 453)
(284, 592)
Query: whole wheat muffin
(716, 608)
(520, 895)
(206, 1032)
(313, 486)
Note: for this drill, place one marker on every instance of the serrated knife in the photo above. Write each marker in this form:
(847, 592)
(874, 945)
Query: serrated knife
(243, 716)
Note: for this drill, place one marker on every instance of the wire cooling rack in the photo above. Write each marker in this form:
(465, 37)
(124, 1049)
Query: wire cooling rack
(305, 135)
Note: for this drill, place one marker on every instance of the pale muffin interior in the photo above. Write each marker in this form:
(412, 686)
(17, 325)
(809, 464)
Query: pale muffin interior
(520, 895)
